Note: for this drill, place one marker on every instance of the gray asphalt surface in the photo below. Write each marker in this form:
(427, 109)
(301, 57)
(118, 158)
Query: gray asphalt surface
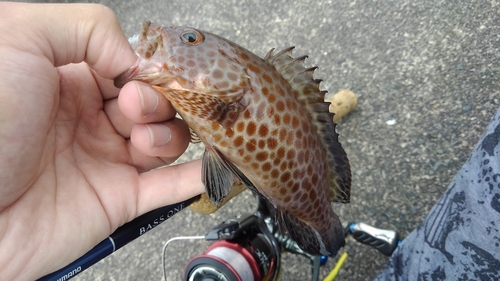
(426, 74)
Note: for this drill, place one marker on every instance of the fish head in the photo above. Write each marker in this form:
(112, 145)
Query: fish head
(182, 61)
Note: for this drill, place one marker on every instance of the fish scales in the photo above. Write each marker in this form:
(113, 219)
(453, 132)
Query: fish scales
(263, 121)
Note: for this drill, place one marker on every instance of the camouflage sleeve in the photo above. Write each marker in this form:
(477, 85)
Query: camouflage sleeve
(460, 238)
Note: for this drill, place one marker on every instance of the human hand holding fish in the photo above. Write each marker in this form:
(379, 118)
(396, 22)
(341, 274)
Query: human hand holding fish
(76, 152)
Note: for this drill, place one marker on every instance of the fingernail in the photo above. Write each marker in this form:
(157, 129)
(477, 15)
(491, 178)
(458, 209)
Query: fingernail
(159, 135)
(149, 99)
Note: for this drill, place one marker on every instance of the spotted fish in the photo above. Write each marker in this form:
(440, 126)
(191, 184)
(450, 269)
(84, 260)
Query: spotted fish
(263, 121)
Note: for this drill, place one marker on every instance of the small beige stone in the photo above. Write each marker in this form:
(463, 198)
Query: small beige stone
(342, 103)
(205, 207)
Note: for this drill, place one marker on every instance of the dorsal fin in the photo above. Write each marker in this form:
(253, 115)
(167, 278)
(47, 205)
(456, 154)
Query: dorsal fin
(307, 91)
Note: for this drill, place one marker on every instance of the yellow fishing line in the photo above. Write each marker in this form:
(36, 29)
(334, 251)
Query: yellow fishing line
(336, 269)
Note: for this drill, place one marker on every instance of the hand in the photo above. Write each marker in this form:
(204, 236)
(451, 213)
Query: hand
(76, 153)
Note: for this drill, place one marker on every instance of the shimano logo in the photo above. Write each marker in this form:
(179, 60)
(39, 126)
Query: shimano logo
(70, 274)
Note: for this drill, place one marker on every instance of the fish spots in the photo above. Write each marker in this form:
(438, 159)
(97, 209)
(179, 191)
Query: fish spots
(240, 126)
(201, 59)
(251, 128)
(290, 154)
(314, 179)
(276, 161)
(232, 76)
(217, 138)
(285, 177)
(267, 78)
(295, 121)
(282, 134)
(270, 111)
(262, 106)
(190, 63)
(223, 143)
(254, 68)
(283, 166)
(297, 174)
(222, 63)
(303, 197)
(262, 156)
(217, 74)
(291, 105)
(262, 144)
(222, 85)
(229, 133)
(271, 98)
(266, 166)
(300, 156)
(275, 173)
(250, 146)
(192, 73)
(280, 153)
(211, 53)
(286, 118)
(280, 106)
(282, 191)
(277, 119)
(272, 143)
(310, 170)
(263, 130)
(210, 45)
(245, 56)
(280, 91)
(305, 126)
(255, 165)
(312, 194)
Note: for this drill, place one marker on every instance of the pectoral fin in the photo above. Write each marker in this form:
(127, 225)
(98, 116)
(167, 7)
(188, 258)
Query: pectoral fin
(217, 178)
(238, 174)
(219, 175)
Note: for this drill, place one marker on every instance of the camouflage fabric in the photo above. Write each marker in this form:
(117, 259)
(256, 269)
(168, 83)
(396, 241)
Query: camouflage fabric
(460, 238)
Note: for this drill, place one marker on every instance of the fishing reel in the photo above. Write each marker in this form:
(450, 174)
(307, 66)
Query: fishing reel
(245, 248)
(249, 248)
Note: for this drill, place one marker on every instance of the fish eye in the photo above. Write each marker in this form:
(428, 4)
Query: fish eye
(192, 37)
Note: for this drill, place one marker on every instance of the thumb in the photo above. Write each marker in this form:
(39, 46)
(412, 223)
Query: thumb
(69, 33)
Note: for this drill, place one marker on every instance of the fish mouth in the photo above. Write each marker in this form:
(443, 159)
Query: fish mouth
(148, 33)
(126, 76)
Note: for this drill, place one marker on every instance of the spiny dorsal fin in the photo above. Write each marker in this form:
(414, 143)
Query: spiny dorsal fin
(307, 91)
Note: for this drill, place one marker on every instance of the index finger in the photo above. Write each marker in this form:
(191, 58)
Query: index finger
(69, 33)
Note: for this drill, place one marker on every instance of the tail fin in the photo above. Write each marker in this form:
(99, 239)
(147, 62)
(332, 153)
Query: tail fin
(309, 239)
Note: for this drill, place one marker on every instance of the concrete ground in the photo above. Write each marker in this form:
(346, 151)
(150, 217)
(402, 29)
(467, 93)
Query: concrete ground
(426, 74)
